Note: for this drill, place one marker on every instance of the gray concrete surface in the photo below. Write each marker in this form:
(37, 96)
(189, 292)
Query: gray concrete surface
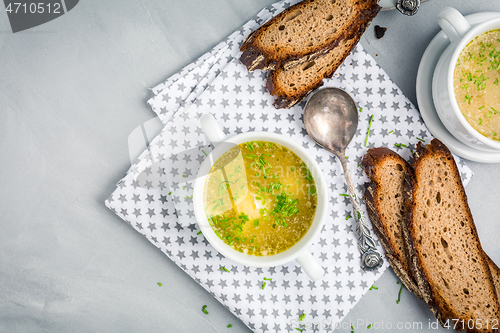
(71, 91)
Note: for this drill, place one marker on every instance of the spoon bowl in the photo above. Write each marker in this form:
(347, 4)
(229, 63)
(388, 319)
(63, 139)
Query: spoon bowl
(331, 120)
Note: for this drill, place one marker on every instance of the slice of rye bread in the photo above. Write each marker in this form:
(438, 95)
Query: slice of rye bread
(292, 85)
(384, 200)
(386, 208)
(446, 257)
(303, 32)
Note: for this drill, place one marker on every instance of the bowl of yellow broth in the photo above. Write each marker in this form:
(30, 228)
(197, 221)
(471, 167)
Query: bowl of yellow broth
(260, 199)
(466, 81)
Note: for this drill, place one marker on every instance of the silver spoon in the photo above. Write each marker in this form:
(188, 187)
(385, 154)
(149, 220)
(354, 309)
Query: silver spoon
(331, 119)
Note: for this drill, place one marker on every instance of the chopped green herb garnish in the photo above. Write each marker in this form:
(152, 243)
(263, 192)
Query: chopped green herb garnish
(373, 287)
(344, 195)
(302, 316)
(263, 285)
(420, 139)
(204, 309)
(286, 206)
(204, 152)
(481, 107)
(369, 128)
(348, 217)
(199, 232)
(369, 326)
(360, 109)
(225, 269)
(308, 173)
(256, 223)
(494, 110)
(467, 98)
(159, 283)
(399, 295)
(229, 326)
(391, 132)
(299, 329)
(480, 121)
(184, 176)
(312, 190)
(169, 192)
(400, 145)
(268, 279)
(489, 114)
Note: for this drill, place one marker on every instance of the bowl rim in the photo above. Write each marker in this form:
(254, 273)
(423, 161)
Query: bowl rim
(298, 248)
(464, 41)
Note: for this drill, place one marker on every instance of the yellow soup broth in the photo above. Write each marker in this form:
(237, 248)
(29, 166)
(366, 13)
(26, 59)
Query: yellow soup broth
(475, 82)
(260, 198)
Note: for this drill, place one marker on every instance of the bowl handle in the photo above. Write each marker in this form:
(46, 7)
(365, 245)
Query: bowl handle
(454, 25)
(212, 129)
(311, 266)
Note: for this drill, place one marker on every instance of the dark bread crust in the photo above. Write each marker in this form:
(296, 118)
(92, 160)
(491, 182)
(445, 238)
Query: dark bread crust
(495, 273)
(254, 55)
(423, 286)
(372, 160)
(285, 99)
(430, 292)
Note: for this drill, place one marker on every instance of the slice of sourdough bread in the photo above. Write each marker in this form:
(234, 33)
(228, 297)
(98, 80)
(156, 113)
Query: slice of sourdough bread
(303, 32)
(292, 85)
(445, 255)
(384, 200)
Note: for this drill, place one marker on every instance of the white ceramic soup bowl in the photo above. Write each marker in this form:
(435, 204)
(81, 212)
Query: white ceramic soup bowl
(299, 250)
(460, 34)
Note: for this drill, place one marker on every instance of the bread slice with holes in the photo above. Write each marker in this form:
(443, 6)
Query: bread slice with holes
(445, 255)
(384, 198)
(303, 32)
(292, 85)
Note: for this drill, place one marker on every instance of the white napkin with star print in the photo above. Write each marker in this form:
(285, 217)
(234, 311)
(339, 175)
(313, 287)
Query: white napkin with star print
(155, 195)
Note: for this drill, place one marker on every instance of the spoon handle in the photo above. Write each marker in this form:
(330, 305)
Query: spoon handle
(370, 256)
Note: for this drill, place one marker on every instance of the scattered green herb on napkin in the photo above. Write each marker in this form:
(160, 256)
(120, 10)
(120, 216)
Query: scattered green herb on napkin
(369, 128)
(204, 309)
